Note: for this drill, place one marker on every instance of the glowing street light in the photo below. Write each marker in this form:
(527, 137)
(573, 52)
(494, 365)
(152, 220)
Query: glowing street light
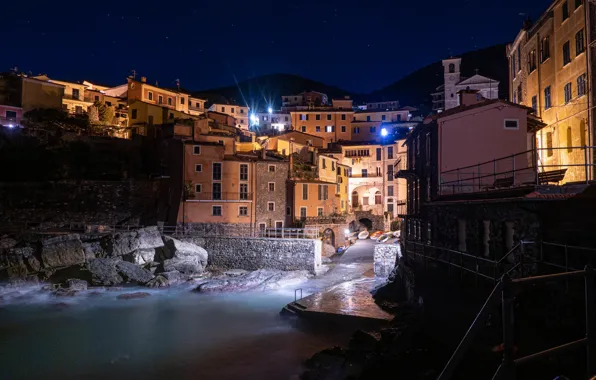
(270, 110)
(384, 132)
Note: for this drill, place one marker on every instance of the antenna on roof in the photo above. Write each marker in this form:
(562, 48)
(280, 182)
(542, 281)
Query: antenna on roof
(134, 73)
(178, 84)
(14, 69)
(476, 71)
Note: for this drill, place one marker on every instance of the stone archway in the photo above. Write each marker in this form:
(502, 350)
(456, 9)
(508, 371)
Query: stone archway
(366, 222)
(329, 236)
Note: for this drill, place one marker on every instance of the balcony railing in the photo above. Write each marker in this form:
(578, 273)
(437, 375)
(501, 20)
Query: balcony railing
(221, 196)
(533, 167)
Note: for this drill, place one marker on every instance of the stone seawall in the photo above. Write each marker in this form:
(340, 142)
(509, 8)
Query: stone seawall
(256, 253)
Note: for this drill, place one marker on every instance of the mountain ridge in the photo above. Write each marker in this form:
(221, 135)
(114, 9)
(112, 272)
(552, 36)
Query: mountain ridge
(413, 89)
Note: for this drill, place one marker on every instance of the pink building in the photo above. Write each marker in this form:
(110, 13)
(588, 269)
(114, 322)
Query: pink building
(10, 116)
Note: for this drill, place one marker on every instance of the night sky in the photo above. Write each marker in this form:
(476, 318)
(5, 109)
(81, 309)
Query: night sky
(357, 45)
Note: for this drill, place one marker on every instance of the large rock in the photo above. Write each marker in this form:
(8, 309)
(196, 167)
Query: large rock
(7, 242)
(262, 279)
(187, 258)
(133, 272)
(142, 256)
(76, 284)
(12, 264)
(328, 250)
(93, 249)
(62, 251)
(104, 272)
(125, 243)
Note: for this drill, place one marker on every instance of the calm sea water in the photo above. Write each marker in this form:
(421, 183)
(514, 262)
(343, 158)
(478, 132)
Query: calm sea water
(173, 334)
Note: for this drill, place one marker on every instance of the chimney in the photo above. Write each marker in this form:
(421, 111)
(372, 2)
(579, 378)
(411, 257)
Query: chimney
(263, 153)
(144, 79)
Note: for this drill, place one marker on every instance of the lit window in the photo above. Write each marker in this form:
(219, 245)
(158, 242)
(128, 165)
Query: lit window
(329, 128)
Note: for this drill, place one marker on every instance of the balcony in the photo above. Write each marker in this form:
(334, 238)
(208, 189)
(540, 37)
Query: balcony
(79, 98)
(544, 166)
(218, 197)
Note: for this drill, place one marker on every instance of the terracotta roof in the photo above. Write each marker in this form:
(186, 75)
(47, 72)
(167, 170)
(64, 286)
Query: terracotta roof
(459, 109)
(302, 133)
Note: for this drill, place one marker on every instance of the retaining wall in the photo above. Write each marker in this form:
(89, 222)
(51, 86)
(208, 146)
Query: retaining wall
(385, 258)
(258, 253)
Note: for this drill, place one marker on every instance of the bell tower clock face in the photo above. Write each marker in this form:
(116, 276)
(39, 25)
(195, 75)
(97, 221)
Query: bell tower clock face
(451, 78)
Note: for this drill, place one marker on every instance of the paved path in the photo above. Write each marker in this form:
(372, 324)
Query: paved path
(361, 252)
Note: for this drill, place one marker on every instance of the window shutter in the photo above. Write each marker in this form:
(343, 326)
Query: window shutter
(320, 192)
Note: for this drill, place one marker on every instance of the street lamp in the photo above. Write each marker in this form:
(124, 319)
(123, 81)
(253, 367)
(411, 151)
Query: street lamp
(384, 132)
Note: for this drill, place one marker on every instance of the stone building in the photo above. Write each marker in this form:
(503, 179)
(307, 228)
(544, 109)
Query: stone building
(446, 97)
(550, 70)
(270, 194)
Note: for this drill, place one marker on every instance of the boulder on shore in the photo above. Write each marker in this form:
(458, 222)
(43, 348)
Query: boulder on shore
(125, 243)
(104, 273)
(187, 258)
(133, 272)
(62, 251)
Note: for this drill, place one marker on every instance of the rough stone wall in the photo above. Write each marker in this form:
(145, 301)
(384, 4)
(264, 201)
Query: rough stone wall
(264, 196)
(258, 253)
(82, 202)
(218, 229)
(385, 257)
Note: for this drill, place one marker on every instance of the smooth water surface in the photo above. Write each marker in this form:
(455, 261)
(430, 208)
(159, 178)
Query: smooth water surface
(172, 334)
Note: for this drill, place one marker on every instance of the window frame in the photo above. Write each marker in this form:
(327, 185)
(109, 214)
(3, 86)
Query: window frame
(198, 187)
(214, 207)
(213, 171)
(269, 186)
(511, 128)
(240, 208)
(194, 150)
(200, 167)
(240, 174)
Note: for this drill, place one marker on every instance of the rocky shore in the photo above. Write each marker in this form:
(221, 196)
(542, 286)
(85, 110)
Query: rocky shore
(68, 264)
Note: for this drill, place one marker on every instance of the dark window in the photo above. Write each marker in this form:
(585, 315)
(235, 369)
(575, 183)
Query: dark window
(390, 191)
(217, 171)
(198, 188)
(271, 186)
(271, 168)
(545, 49)
(547, 103)
(566, 53)
(578, 3)
(181, 100)
(196, 149)
(535, 104)
(317, 117)
(198, 168)
(451, 68)
(343, 116)
(373, 129)
(232, 110)
(11, 114)
(390, 173)
(134, 114)
(243, 172)
(379, 152)
(378, 198)
(519, 93)
(317, 128)
(383, 117)
(243, 211)
(270, 206)
(511, 124)
(169, 101)
(390, 153)
(519, 57)
(565, 11)
(532, 61)
(243, 191)
(78, 109)
(364, 173)
(97, 98)
(216, 210)
(581, 85)
(150, 95)
(343, 128)
(328, 117)
(569, 141)
(368, 118)
(580, 45)
(75, 93)
(160, 99)
(216, 191)
(303, 128)
(305, 192)
(567, 92)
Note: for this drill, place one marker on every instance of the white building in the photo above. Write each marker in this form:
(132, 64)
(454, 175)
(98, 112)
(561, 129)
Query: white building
(446, 95)
(240, 113)
(196, 106)
(277, 120)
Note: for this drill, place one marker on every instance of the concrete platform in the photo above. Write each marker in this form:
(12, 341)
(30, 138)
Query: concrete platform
(350, 300)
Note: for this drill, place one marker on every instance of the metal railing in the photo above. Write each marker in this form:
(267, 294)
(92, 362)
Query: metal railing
(222, 196)
(506, 288)
(290, 233)
(531, 167)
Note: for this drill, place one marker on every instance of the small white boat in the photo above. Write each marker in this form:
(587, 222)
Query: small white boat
(383, 238)
(363, 235)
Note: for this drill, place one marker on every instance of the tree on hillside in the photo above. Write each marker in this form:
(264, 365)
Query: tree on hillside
(107, 117)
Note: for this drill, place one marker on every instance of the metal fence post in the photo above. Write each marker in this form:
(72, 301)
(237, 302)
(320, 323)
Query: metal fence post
(589, 283)
(508, 336)
(586, 163)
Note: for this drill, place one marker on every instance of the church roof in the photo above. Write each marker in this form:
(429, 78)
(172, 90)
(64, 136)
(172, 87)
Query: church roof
(477, 79)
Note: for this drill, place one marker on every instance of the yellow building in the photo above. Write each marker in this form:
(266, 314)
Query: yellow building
(143, 115)
(73, 100)
(367, 125)
(312, 198)
(332, 124)
(549, 70)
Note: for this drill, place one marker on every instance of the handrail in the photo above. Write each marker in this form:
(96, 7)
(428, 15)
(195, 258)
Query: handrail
(475, 327)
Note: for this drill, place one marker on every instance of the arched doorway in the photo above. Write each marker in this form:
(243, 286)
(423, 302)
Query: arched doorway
(329, 236)
(378, 198)
(366, 223)
(354, 199)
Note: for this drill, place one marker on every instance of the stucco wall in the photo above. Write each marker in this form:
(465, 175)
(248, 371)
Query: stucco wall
(258, 253)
